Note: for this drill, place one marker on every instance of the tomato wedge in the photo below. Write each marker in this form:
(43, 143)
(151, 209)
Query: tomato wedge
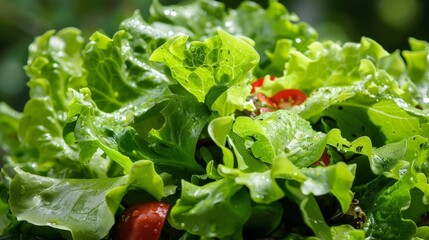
(268, 101)
(288, 98)
(284, 99)
(142, 221)
(259, 82)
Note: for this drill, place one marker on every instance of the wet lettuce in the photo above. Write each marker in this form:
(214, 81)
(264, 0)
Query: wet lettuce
(163, 110)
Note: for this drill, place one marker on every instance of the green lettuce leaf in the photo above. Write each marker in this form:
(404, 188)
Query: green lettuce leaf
(9, 124)
(382, 121)
(335, 179)
(217, 209)
(175, 142)
(314, 218)
(198, 18)
(269, 29)
(165, 101)
(418, 70)
(54, 66)
(281, 132)
(207, 69)
(347, 232)
(395, 205)
(118, 76)
(262, 186)
(85, 207)
(385, 212)
(56, 57)
(218, 130)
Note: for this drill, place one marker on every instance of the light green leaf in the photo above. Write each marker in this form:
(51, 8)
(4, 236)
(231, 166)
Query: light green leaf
(218, 130)
(117, 76)
(206, 16)
(263, 187)
(207, 69)
(217, 209)
(314, 218)
(54, 66)
(347, 232)
(281, 132)
(9, 124)
(71, 204)
(336, 179)
(417, 63)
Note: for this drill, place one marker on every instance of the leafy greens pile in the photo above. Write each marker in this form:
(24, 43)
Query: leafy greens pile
(160, 111)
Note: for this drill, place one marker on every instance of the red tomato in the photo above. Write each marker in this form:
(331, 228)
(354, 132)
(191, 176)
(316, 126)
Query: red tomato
(142, 221)
(264, 99)
(259, 83)
(284, 99)
(288, 98)
(324, 160)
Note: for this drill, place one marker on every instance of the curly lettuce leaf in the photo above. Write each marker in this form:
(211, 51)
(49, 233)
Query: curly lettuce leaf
(281, 132)
(332, 64)
(182, 123)
(92, 128)
(118, 76)
(310, 212)
(391, 201)
(199, 18)
(270, 29)
(268, 26)
(207, 69)
(84, 207)
(54, 66)
(220, 131)
(335, 179)
(217, 209)
(262, 186)
(175, 142)
(56, 57)
(385, 219)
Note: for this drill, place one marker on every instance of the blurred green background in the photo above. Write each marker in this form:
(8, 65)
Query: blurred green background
(389, 22)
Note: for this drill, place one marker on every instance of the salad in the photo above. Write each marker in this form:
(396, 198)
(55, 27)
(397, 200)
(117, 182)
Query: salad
(204, 122)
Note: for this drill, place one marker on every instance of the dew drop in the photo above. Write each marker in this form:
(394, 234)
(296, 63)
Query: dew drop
(135, 213)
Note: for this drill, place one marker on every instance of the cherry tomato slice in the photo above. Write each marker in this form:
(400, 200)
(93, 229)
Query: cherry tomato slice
(266, 100)
(288, 98)
(142, 221)
(259, 82)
